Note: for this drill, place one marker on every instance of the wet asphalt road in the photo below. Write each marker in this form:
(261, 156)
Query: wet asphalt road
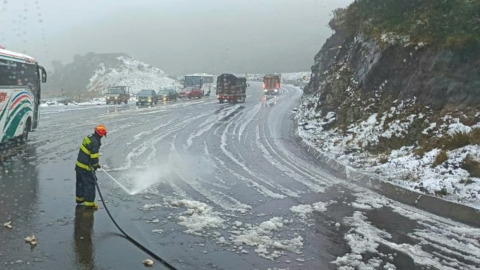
(216, 186)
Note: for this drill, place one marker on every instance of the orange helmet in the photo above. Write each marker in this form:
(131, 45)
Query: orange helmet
(101, 130)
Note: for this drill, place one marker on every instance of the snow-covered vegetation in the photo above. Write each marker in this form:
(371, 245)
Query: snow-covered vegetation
(449, 169)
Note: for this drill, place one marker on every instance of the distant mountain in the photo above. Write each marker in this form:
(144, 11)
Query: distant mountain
(90, 75)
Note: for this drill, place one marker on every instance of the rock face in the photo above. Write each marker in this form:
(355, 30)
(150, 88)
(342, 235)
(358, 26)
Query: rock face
(400, 110)
(355, 77)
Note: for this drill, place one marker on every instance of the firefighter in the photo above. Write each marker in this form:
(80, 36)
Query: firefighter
(86, 165)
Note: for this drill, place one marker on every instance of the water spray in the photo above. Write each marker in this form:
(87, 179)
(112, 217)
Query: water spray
(118, 183)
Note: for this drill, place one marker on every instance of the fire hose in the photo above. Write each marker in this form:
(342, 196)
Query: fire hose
(136, 243)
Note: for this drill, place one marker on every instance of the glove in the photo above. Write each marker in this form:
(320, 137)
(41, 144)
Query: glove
(99, 167)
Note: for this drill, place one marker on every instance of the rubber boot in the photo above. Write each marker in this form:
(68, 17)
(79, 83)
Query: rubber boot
(91, 205)
(79, 200)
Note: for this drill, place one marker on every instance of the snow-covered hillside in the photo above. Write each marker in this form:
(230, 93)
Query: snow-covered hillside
(451, 173)
(131, 72)
(404, 112)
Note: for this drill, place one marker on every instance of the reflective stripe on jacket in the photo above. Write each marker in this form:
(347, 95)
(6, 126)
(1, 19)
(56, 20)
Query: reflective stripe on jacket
(88, 153)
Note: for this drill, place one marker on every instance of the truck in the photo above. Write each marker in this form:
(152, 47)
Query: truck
(117, 95)
(231, 88)
(271, 84)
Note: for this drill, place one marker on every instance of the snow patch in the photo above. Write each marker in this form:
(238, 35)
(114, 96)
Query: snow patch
(198, 216)
(263, 238)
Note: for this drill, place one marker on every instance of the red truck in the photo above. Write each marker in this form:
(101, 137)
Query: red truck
(191, 92)
(271, 84)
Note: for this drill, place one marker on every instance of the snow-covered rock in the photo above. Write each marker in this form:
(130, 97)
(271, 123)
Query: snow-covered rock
(90, 75)
(387, 110)
(132, 73)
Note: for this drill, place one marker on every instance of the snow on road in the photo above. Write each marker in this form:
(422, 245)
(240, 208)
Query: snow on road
(231, 181)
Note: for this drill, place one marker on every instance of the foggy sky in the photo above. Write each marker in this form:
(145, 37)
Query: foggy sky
(178, 36)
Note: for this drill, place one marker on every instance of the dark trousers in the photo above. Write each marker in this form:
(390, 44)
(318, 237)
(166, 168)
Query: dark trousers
(85, 187)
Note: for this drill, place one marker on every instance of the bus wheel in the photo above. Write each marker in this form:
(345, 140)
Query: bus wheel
(26, 128)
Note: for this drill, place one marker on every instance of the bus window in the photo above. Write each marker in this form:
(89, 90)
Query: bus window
(7, 72)
(207, 79)
(19, 74)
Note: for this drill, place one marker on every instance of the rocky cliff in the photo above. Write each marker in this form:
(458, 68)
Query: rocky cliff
(379, 96)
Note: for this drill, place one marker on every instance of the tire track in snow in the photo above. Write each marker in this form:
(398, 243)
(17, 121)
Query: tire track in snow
(244, 167)
(219, 198)
(292, 174)
(247, 119)
(202, 129)
(250, 183)
(71, 139)
(150, 143)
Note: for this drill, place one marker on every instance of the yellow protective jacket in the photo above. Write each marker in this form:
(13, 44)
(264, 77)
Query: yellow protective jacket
(88, 153)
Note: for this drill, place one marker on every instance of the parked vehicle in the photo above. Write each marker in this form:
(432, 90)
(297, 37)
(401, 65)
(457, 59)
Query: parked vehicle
(191, 92)
(147, 96)
(117, 95)
(168, 94)
(271, 84)
(202, 80)
(231, 88)
(20, 92)
(64, 101)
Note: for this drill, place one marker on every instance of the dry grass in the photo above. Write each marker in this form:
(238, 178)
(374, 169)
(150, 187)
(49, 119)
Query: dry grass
(468, 120)
(467, 181)
(455, 141)
(410, 176)
(419, 152)
(449, 142)
(471, 166)
(475, 136)
(360, 144)
(429, 144)
(383, 159)
(440, 158)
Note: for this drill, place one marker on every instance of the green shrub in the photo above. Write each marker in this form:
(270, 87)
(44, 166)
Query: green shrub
(441, 192)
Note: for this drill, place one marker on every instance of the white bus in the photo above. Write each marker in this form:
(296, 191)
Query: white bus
(203, 80)
(20, 92)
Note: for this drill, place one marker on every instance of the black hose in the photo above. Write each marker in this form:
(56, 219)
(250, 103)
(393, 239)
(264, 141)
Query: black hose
(146, 250)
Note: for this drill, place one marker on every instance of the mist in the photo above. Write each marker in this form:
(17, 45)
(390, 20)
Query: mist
(177, 36)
